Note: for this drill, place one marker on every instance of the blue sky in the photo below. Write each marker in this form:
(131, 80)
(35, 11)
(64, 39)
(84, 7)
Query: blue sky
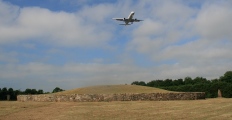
(75, 43)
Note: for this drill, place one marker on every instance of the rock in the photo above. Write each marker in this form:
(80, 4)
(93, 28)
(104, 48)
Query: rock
(113, 97)
(219, 93)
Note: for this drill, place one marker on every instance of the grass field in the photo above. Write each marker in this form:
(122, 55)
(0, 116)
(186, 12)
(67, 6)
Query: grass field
(215, 109)
(113, 89)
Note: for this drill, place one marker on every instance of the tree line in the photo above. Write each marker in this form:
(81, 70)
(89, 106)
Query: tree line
(198, 84)
(13, 93)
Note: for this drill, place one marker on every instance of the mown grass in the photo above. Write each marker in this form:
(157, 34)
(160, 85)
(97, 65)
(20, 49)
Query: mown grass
(9, 107)
(215, 109)
(158, 110)
(114, 89)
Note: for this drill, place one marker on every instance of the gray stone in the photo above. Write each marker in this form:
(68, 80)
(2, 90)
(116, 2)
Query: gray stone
(112, 97)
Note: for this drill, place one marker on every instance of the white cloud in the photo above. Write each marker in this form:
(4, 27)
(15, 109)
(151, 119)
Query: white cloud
(72, 75)
(169, 23)
(149, 28)
(59, 28)
(8, 12)
(97, 14)
(214, 21)
(180, 37)
(82, 74)
(8, 57)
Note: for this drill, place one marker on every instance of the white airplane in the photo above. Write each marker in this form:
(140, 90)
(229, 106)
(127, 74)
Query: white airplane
(128, 20)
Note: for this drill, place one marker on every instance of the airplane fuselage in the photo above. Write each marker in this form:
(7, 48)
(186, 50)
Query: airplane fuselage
(130, 17)
(128, 20)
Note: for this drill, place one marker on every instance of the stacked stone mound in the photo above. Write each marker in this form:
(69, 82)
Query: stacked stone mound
(112, 97)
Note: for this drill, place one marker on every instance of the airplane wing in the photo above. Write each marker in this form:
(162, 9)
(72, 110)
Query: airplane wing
(124, 24)
(120, 19)
(136, 20)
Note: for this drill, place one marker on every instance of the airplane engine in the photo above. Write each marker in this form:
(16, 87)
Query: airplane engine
(135, 19)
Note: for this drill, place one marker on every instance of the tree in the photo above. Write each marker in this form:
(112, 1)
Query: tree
(4, 93)
(213, 89)
(16, 92)
(142, 83)
(57, 89)
(11, 93)
(40, 91)
(227, 77)
(27, 91)
(188, 80)
(198, 80)
(214, 81)
(159, 83)
(0, 93)
(198, 84)
(33, 91)
(135, 83)
(138, 83)
(178, 82)
(168, 82)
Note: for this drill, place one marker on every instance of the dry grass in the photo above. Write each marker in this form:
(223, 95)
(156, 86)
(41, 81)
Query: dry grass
(11, 108)
(215, 109)
(113, 89)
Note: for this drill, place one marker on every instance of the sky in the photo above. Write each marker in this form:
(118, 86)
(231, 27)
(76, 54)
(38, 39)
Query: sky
(75, 43)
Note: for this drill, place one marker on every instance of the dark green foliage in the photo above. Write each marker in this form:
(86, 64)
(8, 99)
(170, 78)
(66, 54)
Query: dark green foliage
(168, 82)
(188, 80)
(40, 91)
(13, 93)
(3, 93)
(178, 82)
(57, 89)
(142, 83)
(198, 84)
(156, 83)
(27, 91)
(227, 77)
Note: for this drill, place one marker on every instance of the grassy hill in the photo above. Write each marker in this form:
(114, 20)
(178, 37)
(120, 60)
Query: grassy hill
(114, 89)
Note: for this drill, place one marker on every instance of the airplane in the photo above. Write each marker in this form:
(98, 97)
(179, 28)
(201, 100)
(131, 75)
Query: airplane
(128, 20)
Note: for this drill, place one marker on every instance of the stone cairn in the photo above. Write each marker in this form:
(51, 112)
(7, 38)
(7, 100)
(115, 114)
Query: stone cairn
(112, 97)
(219, 93)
